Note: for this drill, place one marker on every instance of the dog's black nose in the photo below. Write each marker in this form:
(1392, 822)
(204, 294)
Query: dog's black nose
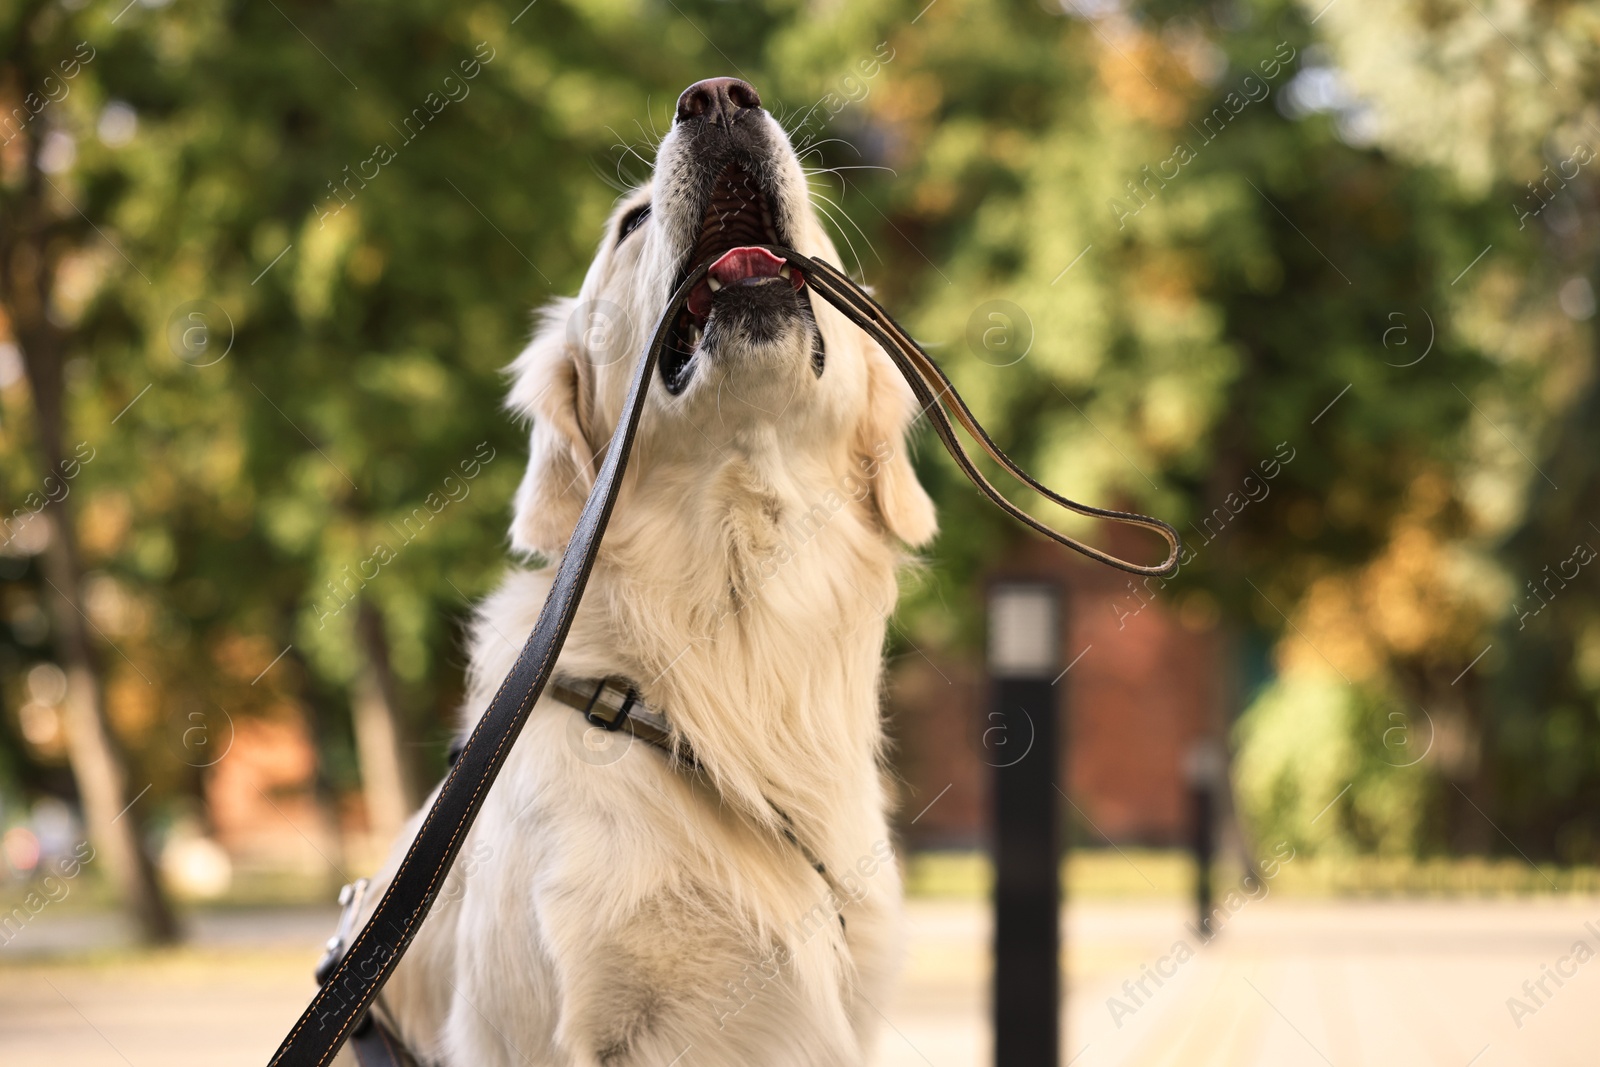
(718, 101)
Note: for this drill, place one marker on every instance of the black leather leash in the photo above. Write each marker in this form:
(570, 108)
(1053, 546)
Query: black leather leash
(933, 389)
(348, 991)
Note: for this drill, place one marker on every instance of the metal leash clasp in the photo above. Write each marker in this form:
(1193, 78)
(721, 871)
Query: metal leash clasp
(350, 898)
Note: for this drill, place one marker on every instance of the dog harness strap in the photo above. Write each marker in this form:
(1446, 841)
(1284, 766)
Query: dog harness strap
(355, 979)
(375, 1046)
(613, 704)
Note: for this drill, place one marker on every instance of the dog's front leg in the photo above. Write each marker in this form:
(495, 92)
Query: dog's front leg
(682, 980)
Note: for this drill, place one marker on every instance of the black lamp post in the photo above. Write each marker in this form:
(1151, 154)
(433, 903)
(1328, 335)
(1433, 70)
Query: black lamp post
(1203, 770)
(1020, 743)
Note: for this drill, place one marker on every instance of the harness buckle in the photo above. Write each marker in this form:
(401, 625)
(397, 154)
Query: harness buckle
(609, 706)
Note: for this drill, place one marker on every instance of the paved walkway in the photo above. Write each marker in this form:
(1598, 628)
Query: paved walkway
(1286, 984)
(226, 999)
(1283, 985)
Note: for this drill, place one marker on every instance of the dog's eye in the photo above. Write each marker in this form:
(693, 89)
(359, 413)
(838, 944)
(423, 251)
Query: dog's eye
(631, 221)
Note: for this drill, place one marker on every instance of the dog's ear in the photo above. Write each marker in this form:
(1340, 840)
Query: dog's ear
(899, 499)
(553, 386)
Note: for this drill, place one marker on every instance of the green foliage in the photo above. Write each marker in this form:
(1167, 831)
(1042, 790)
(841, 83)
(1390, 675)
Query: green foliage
(1004, 174)
(1307, 773)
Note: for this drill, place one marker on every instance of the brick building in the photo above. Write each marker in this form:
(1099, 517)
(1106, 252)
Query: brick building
(1147, 682)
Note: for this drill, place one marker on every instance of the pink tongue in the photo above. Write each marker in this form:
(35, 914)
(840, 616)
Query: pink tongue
(736, 265)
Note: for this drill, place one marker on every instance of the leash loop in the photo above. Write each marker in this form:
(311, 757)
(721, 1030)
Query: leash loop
(935, 392)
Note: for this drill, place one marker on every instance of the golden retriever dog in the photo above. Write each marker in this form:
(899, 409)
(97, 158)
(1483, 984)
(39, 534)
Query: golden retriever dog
(735, 900)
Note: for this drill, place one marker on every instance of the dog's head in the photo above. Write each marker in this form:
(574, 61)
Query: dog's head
(755, 368)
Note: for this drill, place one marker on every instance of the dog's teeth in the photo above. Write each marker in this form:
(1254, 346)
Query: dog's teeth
(715, 285)
(695, 333)
(784, 272)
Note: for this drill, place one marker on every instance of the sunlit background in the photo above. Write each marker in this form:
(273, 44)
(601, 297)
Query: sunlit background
(1314, 281)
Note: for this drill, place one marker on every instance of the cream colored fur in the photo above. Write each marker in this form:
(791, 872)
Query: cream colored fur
(610, 908)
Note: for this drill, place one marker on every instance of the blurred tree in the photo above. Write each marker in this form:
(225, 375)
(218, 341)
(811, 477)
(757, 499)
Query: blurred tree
(338, 275)
(42, 233)
(1183, 257)
(1500, 103)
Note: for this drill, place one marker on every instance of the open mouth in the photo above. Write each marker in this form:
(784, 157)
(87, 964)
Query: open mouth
(737, 219)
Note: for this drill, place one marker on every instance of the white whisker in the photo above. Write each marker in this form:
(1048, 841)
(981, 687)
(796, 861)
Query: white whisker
(863, 166)
(629, 181)
(817, 146)
(610, 182)
(651, 115)
(843, 233)
(846, 216)
(804, 119)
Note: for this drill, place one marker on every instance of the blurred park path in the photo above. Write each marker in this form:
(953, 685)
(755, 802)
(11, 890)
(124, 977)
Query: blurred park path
(224, 999)
(1284, 984)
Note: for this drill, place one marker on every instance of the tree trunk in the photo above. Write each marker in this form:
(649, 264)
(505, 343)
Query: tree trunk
(31, 243)
(101, 774)
(386, 778)
(322, 789)
(98, 764)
